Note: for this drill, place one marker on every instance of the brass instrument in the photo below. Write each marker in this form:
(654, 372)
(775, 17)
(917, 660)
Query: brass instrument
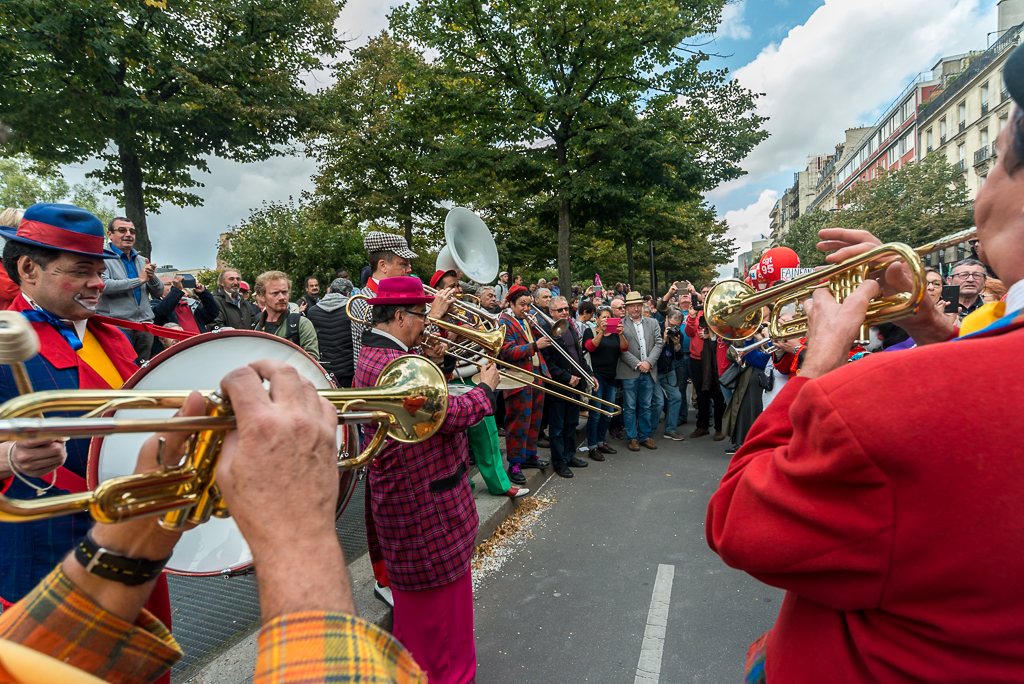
(489, 344)
(408, 403)
(733, 309)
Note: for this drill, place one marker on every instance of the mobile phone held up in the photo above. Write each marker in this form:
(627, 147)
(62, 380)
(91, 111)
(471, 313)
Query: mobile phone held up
(613, 326)
(951, 295)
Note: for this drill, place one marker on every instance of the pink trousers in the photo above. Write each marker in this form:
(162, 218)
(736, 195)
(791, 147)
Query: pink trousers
(436, 626)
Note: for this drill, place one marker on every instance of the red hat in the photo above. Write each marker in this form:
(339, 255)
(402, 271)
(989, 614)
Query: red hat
(514, 290)
(243, 286)
(436, 278)
(398, 291)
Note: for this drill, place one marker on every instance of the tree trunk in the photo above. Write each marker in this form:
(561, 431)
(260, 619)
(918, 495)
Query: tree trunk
(629, 261)
(134, 202)
(654, 271)
(407, 224)
(564, 229)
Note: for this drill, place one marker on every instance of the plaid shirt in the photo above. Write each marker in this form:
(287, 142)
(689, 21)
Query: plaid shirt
(516, 349)
(62, 622)
(426, 537)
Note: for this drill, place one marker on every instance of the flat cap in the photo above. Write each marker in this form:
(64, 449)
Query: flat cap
(376, 241)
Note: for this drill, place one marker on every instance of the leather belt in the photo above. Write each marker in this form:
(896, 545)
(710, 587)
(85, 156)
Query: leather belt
(446, 483)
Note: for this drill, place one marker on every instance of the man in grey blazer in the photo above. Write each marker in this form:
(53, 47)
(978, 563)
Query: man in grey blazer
(638, 371)
(130, 283)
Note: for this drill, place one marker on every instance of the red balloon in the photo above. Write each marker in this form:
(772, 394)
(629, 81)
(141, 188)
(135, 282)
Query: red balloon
(776, 259)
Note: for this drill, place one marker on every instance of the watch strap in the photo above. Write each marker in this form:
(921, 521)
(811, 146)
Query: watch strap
(108, 565)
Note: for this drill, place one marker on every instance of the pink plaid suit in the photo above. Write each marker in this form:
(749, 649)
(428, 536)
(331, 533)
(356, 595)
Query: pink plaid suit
(525, 405)
(426, 537)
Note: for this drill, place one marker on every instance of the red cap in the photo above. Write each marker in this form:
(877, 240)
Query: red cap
(243, 286)
(400, 290)
(436, 278)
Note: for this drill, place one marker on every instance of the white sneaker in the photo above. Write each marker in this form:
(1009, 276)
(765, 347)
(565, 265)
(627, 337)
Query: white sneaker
(383, 593)
(517, 492)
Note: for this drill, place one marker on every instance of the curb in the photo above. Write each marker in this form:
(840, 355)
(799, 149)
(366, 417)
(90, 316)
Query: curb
(237, 664)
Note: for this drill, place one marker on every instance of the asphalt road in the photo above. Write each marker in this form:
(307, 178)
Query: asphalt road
(572, 604)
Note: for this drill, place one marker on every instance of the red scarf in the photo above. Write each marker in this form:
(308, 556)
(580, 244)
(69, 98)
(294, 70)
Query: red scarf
(186, 319)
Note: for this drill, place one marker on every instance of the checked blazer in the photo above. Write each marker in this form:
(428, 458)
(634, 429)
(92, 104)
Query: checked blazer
(426, 537)
(517, 348)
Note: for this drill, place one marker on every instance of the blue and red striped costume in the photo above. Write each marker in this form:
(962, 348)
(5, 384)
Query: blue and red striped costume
(524, 406)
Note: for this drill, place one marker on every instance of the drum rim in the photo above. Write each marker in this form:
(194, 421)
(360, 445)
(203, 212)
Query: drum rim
(93, 464)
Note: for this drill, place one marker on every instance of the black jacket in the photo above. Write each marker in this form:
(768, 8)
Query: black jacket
(334, 334)
(559, 367)
(205, 314)
(238, 316)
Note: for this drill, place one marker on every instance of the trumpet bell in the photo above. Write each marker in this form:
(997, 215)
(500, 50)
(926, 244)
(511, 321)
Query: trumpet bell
(559, 328)
(469, 246)
(727, 314)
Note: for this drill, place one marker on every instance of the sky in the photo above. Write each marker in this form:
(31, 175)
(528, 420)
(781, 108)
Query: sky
(823, 66)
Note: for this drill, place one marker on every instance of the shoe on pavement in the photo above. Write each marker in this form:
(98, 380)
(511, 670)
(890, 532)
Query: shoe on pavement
(501, 431)
(517, 492)
(543, 442)
(699, 432)
(516, 475)
(576, 463)
(595, 454)
(605, 449)
(534, 463)
(673, 436)
(634, 445)
(649, 443)
(382, 593)
(719, 436)
(732, 450)
(564, 471)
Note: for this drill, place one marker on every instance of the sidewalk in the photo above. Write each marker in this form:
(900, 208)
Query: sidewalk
(235, 665)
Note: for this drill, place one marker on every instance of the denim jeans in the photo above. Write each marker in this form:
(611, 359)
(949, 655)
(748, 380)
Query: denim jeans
(636, 398)
(597, 425)
(563, 419)
(682, 371)
(669, 383)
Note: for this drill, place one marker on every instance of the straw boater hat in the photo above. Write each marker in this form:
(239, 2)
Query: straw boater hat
(634, 298)
(60, 226)
(400, 291)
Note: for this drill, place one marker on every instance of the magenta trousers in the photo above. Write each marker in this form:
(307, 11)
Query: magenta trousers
(436, 626)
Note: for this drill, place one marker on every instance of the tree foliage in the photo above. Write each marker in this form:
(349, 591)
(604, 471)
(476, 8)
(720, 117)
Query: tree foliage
(915, 204)
(24, 182)
(551, 84)
(286, 237)
(153, 91)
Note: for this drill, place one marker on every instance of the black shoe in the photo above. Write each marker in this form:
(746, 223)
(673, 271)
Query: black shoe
(605, 449)
(564, 471)
(595, 455)
(516, 475)
(577, 463)
(732, 450)
(472, 461)
(534, 463)
(543, 443)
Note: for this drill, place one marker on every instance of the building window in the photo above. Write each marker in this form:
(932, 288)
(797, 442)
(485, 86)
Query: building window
(984, 97)
(929, 139)
(942, 131)
(984, 137)
(962, 151)
(892, 155)
(961, 115)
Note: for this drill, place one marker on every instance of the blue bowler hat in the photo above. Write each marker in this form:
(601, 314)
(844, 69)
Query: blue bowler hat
(60, 226)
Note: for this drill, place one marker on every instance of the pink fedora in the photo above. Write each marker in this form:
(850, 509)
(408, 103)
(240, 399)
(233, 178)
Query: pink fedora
(400, 291)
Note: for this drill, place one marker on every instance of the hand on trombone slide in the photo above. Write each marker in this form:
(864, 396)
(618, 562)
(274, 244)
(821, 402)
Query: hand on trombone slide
(443, 299)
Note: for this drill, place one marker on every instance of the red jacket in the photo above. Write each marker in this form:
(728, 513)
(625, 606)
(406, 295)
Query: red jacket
(697, 344)
(8, 290)
(896, 530)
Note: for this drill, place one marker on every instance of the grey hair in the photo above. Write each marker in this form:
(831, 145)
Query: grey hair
(542, 289)
(342, 286)
(483, 289)
(556, 300)
(968, 262)
(674, 313)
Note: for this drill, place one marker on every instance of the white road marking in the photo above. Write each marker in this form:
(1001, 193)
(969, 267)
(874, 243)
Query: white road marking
(649, 668)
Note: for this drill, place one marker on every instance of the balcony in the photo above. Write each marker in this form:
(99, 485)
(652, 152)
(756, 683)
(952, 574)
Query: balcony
(929, 150)
(984, 108)
(1004, 95)
(942, 141)
(963, 126)
(961, 166)
(983, 155)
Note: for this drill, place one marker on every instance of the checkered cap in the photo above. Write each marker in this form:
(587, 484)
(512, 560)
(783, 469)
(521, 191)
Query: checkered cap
(376, 241)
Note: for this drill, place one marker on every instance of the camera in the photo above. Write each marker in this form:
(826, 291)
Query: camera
(672, 332)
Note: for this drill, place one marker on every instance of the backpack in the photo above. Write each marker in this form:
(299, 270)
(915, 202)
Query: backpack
(292, 334)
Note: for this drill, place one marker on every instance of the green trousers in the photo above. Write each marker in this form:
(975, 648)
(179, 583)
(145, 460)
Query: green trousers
(483, 438)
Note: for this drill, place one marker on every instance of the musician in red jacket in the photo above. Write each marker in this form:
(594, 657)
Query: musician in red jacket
(895, 531)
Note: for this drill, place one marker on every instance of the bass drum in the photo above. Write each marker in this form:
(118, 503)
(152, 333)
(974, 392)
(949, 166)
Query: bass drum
(215, 547)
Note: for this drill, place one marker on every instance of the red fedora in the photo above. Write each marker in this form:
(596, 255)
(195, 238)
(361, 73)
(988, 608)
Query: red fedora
(400, 291)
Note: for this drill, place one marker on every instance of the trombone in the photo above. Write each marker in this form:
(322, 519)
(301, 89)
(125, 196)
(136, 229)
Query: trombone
(490, 342)
(734, 310)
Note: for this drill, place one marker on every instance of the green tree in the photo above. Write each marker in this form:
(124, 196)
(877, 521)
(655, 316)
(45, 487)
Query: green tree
(24, 182)
(803, 239)
(152, 92)
(543, 80)
(286, 237)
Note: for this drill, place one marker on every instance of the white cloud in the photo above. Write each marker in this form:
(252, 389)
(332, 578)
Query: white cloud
(749, 223)
(733, 26)
(844, 65)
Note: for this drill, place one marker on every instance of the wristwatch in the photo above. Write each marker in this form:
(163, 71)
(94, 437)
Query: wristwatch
(107, 565)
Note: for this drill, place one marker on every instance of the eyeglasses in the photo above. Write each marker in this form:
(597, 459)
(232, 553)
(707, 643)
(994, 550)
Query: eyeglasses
(122, 231)
(564, 308)
(968, 276)
(424, 314)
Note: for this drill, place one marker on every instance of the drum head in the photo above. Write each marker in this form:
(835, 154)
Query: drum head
(215, 547)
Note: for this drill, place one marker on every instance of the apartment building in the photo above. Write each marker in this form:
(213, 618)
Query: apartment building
(747, 259)
(963, 120)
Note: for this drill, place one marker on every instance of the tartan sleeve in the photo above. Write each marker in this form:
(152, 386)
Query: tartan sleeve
(59, 620)
(322, 646)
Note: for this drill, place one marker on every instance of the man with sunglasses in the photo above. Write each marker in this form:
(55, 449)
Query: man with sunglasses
(130, 282)
(970, 275)
(422, 507)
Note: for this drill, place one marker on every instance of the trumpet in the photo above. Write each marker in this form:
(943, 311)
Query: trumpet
(488, 346)
(408, 404)
(734, 311)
